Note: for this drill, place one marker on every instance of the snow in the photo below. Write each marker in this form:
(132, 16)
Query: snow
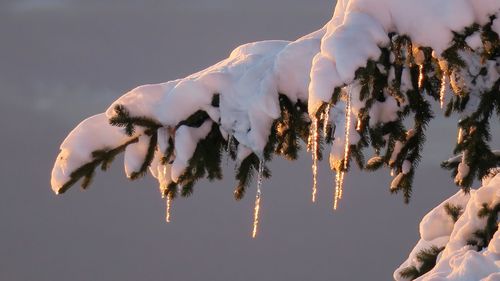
(142, 100)
(359, 27)
(406, 167)
(248, 83)
(94, 133)
(186, 139)
(135, 154)
(437, 223)
(458, 158)
(163, 137)
(338, 118)
(496, 24)
(161, 172)
(384, 112)
(458, 261)
(396, 181)
(462, 170)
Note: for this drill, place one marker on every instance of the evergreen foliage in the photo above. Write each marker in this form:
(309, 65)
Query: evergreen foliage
(454, 211)
(427, 259)
(102, 158)
(482, 237)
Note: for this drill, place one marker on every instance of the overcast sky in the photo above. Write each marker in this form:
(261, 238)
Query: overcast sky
(64, 60)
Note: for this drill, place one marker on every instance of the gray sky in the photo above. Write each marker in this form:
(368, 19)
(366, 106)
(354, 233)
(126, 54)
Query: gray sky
(64, 60)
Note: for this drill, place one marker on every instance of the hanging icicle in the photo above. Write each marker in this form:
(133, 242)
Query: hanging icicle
(341, 190)
(421, 76)
(326, 119)
(257, 199)
(347, 127)
(313, 144)
(339, 178)
(337, 190)
(167, 212)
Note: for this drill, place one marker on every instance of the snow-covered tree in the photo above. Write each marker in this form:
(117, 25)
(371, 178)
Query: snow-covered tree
(367, 79)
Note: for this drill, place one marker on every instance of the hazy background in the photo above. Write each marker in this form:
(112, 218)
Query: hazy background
(61, 61)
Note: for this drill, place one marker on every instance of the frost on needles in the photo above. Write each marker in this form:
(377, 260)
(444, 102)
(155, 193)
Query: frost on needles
(367, 79)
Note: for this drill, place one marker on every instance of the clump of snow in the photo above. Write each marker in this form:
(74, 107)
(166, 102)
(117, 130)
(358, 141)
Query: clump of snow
(458, 260)
(395, 183)
(92, 134)
(142, 100)
(496, 24)
(384, 112)
(162, 172)
(406, 167)
(438, 223)
(186, 139)
(135, 154)
(463, 169)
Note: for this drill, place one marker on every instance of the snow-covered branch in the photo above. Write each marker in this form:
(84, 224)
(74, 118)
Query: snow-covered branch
(352, 84)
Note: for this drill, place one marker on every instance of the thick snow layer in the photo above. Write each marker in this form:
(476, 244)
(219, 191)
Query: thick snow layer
(94, 133)
(359, 27)
(458, 261)
(248, 83)
(142, 100)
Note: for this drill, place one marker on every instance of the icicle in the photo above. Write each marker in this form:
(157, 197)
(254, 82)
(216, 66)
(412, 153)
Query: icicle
(257, 199)
(336, 194)
(347, 128)
(169, 204)
(313, 140)
(326, 119)
(444, 88)
(339, 183)
(341, 190)
(339, 178)
(421, 76)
